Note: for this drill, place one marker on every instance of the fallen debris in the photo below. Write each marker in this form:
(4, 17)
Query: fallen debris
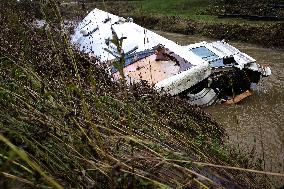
(204, 73)
(239, 97)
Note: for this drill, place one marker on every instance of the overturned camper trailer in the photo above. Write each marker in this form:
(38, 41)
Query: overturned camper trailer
(204, 73)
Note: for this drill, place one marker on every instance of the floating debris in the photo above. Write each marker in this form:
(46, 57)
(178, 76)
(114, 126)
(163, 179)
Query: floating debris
(204, 73)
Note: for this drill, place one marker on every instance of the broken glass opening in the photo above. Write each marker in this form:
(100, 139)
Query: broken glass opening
(204, 53)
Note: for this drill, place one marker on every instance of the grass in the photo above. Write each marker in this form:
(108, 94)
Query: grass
(193, 17)
(64, 123)
(190, 9)
(197, 10)
(202, 12)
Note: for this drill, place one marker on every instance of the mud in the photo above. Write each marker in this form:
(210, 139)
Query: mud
(256, 125)
(269, 35)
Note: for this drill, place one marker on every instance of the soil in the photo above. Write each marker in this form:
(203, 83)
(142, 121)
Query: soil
(270, 35)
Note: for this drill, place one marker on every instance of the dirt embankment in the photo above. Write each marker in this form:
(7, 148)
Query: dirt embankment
(64, 122)
(270, 35)
(267, 35)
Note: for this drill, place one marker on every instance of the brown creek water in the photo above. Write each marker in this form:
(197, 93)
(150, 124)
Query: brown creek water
(257, 123)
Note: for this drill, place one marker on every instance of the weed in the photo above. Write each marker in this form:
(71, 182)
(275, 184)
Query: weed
(64, 123)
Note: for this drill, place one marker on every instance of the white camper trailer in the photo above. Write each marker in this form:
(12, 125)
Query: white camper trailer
(204, 73)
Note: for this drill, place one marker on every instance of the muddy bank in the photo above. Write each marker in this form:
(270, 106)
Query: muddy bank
(263, 8)
(64, 117)
(256, 124)
(265, 35)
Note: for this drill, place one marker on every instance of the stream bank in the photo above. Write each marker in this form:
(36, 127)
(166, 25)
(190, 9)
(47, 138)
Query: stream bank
(256, 124)
(265, 35)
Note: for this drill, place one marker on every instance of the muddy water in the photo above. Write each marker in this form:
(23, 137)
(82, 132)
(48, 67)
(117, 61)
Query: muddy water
(257, 123)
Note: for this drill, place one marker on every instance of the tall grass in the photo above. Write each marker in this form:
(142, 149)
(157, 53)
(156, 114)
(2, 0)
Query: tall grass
(64, 123)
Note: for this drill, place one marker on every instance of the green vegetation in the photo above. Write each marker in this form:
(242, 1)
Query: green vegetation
(64, 123)
(192, 9)
(196, 17)
(205, 11)
(189, 9)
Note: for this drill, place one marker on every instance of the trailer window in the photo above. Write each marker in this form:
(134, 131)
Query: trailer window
(204, 53)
